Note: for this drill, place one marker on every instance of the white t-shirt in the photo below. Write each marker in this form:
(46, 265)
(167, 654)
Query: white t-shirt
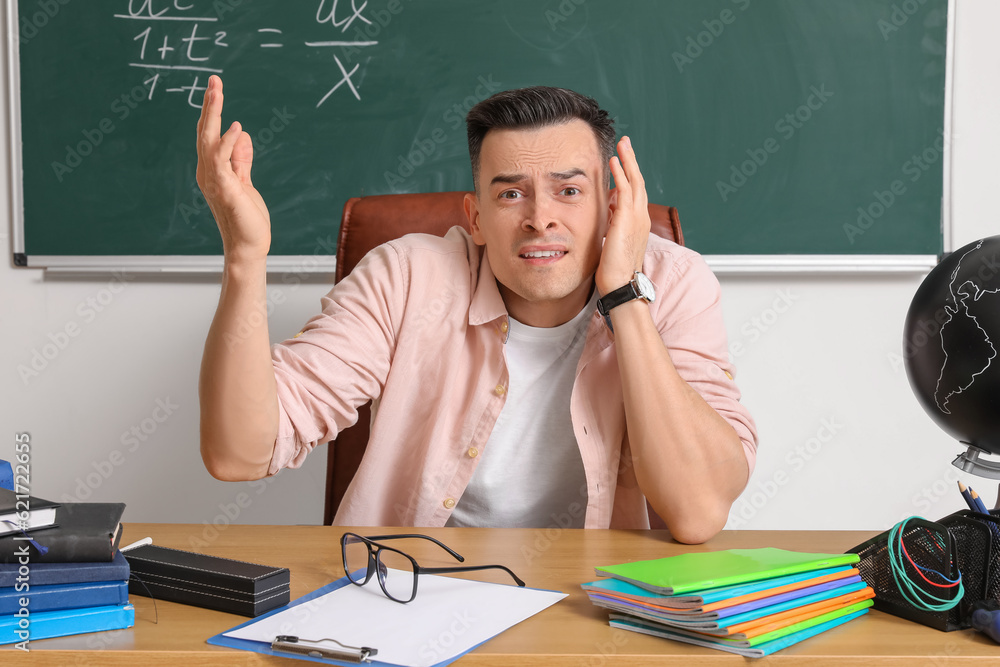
(531, 474)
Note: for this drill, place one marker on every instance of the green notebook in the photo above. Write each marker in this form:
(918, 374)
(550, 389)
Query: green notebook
(700, 571)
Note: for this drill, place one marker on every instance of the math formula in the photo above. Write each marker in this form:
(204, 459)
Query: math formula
(180, 43)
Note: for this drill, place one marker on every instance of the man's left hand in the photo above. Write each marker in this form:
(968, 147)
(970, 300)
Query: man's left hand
(628, 231)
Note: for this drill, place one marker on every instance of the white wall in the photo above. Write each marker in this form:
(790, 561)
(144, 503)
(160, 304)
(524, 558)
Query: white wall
(835, 354)
(826, 360)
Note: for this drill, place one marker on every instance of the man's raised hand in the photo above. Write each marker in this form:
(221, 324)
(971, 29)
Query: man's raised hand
(223, 175)
(625, 243)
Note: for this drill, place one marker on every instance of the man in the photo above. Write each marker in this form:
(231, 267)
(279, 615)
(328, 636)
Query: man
(502, 396)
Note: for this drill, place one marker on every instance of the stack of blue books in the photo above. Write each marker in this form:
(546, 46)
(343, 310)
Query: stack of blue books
(63, 574)
(59, 599)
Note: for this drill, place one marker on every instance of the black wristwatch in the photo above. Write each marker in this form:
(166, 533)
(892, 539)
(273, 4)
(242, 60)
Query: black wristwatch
(640, 287)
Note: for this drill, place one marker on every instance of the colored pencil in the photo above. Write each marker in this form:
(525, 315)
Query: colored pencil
(980, 506)
(968, 497)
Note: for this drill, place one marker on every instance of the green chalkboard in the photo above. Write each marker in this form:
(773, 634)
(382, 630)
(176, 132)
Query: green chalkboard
(775, 126)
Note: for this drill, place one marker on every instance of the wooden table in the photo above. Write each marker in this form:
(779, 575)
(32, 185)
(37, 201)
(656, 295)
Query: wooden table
(572, 632)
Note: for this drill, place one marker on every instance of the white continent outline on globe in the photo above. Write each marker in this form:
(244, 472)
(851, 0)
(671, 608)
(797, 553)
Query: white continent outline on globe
(961, 304)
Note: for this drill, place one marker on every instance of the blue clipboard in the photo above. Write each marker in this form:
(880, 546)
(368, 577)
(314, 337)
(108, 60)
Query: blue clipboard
(264, 647)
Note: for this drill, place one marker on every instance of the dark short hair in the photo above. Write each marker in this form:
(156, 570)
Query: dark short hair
(534, 107)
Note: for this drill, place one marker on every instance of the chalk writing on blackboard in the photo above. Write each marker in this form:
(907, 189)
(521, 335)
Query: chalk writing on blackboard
(180, 38)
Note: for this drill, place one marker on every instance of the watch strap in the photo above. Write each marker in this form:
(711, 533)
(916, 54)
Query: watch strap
(615, 298)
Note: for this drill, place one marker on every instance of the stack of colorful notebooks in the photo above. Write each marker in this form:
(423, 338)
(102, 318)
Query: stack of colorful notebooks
(64, 578)
(752, 602)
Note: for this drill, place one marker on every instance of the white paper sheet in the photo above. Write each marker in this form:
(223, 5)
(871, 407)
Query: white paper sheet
(448, 617)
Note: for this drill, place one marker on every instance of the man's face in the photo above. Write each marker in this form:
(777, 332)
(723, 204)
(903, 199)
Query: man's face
(542, 213)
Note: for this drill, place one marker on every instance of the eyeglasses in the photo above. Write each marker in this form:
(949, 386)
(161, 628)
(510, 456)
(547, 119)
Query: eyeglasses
(397, 572)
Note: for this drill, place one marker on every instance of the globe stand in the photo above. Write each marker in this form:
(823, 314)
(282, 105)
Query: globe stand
(969, 462)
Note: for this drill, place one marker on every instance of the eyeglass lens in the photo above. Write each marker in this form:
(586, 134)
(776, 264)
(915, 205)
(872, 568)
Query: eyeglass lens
(395, 571)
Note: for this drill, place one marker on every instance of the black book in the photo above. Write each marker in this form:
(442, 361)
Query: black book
(41, 513)
(86, 532)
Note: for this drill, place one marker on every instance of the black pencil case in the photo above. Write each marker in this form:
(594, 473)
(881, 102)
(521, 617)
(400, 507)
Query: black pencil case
(217, 583)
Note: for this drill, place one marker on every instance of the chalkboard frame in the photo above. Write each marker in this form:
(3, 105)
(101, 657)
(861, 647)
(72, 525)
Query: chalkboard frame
(323, 264)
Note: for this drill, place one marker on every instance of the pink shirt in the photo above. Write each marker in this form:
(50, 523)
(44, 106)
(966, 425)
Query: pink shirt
(420, 324)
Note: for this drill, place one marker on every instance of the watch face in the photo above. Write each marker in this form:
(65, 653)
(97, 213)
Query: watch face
(646, 289)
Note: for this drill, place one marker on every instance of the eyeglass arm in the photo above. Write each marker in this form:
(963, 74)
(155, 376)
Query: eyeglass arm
(468, 568)
(382, 538)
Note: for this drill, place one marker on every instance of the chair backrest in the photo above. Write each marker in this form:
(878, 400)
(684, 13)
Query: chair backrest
(368, 222)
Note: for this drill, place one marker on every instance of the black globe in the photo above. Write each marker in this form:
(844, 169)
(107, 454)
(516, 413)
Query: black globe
(951, 344)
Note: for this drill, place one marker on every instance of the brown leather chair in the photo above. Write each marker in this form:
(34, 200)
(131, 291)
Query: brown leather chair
(371, 221)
